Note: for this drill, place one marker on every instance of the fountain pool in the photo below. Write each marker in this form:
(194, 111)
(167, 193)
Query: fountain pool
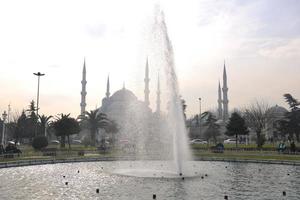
(237, 180)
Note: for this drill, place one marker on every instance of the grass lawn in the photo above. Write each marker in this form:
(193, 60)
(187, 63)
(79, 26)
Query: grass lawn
(256, 155)
(226, 146)
(199, 151)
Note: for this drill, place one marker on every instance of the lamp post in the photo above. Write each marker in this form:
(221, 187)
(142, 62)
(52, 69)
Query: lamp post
(39, 74)
(199, 117)
(4, 115)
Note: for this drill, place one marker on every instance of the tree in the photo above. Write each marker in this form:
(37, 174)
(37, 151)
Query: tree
(183, 103)
(284, 128)
(32, 119)
(65, 126)
(213, 129)
(290, 125)
(112, 128)
(293, 103)
(32, 110)
(21, 127)
(204, 116)
(236, 126)
(44, 122)
(96, 120)
(257, 118)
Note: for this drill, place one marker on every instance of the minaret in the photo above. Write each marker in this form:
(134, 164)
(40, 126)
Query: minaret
(225, 96)
(83, 91)
(8, 113)
(158, 97)
(220, 111)
(147, 91)
(107, 88)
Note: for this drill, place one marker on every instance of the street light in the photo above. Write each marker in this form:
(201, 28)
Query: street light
(39, 74)
(4, 115)
(199, 117)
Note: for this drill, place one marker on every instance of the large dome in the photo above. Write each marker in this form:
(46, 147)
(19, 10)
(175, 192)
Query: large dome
(277, 111)
(129, 113)
(122, 100)
(123, 95)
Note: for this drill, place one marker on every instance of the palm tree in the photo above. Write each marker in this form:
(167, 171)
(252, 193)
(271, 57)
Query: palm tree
(65, 126)
(96, 120)
(44, 120)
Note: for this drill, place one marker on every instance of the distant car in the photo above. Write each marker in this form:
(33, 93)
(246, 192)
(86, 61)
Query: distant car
(54, 142)
(76, 142)
(198, 141)
(12, 142)
(230, 141)
(124, 142)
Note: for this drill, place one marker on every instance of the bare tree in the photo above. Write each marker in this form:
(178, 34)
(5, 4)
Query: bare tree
(257, 116)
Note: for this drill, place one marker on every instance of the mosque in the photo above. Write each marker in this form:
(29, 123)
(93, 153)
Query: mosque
(113, 104)
(130, 113)
(134, 117)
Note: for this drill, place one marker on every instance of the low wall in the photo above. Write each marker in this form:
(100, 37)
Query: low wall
(279, 162)
(21, 163)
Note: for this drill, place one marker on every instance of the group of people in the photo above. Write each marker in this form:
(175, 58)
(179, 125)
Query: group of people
(282, 147)
(9, 149)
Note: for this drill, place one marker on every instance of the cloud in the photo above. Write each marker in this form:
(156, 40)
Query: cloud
(97, 30)
(251, 18)
(288, 50)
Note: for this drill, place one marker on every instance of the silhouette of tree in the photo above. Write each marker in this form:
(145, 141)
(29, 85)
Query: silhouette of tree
(184, 106)
(293, 103)
(213, 129)
(20, 127)
(257, 118)
(44, 123)
(32, 119)
(236, 126)
(65, 126)
(112, 129)
(95, 121)
(290, 125)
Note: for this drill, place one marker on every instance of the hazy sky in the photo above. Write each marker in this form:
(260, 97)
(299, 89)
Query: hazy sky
(259, 39)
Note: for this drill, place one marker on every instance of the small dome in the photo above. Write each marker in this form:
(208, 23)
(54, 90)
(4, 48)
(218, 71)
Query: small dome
(277, 110)
(123, 95)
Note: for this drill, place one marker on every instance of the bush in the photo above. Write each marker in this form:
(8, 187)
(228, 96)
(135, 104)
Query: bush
(39, 142)
(86, 141)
